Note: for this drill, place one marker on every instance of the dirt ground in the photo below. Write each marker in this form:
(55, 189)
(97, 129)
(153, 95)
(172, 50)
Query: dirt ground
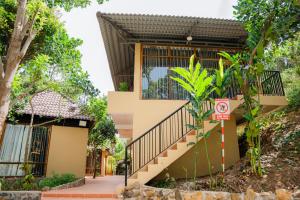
(280, 161)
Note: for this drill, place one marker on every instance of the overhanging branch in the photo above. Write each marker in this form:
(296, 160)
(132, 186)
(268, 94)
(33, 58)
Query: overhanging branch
(27, 43)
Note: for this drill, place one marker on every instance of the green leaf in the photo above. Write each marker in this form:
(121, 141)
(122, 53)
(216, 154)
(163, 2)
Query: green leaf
(183, 72)
(207, 134)
(196, 72)
(191, 67)
(254, 111)
(207, 114)
(183, 84)
(221, 68)
(191, 143)
(248, 117)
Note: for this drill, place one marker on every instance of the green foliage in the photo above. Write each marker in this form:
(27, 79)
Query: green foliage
(123, 86)
(57, 180)
(283, 56)
(167, 182)
(103, 129)
(251, 106)
(286, 58)
(27, 182)
(223, 77)
(198, 84)
(257, 15)
(53, 61)
(70, 4)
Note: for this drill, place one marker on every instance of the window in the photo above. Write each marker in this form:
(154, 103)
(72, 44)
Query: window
(12, 152)
(157, 61)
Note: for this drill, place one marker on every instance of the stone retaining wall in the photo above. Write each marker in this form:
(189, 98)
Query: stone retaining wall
(145, 192)
(20, 195)
(76, 183)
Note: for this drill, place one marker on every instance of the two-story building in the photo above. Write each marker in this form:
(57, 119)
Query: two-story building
(152, 115)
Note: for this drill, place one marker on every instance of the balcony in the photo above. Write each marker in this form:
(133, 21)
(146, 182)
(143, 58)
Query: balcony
(270, 84)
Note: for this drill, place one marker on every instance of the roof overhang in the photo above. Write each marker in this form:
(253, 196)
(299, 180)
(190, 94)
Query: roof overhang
(121, 31)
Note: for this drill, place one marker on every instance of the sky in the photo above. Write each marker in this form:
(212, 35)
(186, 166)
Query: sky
(82, 23)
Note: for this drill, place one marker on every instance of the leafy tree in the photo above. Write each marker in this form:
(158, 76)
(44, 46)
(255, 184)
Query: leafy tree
(265, 21)
(24, 27)
(286, 58)
(274, 20)
(103, 131)
(199, 85)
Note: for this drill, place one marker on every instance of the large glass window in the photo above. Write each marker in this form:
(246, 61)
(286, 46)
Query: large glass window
(157, 61)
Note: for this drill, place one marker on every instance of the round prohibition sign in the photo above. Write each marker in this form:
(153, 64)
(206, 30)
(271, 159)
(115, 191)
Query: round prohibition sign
(222, 107)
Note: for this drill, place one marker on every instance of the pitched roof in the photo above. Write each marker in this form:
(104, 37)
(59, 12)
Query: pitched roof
(53, 104)
(121, 31)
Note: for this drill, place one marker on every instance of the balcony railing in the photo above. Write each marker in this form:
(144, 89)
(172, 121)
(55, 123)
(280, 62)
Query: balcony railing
(270, 84)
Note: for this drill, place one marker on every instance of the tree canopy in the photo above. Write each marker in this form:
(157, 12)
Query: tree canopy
(280, 17)
(53, 60)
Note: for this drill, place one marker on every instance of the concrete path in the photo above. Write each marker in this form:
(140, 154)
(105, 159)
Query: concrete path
(99, 188)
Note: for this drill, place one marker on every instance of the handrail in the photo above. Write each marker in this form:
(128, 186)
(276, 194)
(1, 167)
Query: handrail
(167, 132)
(157, 139)
(164, 119)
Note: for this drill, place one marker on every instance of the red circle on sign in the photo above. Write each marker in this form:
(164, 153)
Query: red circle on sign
(222, 107)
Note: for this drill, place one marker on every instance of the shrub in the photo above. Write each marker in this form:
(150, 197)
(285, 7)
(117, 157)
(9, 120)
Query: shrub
(291, 82)
(57, 180)
(123, 86)
(293, 95)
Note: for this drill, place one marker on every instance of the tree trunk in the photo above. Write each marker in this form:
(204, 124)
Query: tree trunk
(5, 88)
(21, 38)
(95, 162)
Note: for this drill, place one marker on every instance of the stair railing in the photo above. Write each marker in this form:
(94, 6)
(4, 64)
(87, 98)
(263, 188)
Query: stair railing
(157, 139)
(172, 128)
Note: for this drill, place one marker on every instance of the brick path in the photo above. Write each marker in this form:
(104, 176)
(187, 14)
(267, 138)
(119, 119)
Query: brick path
(99, 188)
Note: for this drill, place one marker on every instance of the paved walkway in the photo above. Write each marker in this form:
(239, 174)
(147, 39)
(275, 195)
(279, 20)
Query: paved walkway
(99, 188)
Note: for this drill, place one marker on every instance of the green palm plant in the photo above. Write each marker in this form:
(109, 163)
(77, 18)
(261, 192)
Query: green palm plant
(251, 107)
(198, 83)
(223, 77)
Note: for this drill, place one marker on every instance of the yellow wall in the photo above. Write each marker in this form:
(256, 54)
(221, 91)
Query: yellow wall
(67, 151)
(214, 148)
(145, 113)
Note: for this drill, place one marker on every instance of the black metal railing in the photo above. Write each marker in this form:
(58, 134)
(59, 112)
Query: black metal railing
(172, 128)
(270, 83)
(160, 137)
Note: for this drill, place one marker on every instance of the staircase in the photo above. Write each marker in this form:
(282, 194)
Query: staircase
(152, 152)
(148, 155)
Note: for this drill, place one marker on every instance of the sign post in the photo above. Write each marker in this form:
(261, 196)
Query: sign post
(222, 112)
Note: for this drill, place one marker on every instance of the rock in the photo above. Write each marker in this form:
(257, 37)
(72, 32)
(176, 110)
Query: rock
(120, 190)
(135, 185)
(136, 193)
(282, 194)
(296, 195)
(149, 193)
(250, 194)
(46, 188)
(266, 196)
(237, 196)
(199, 195)
(217, 196)
(177, 194)
(265, 176)
(127, 193)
